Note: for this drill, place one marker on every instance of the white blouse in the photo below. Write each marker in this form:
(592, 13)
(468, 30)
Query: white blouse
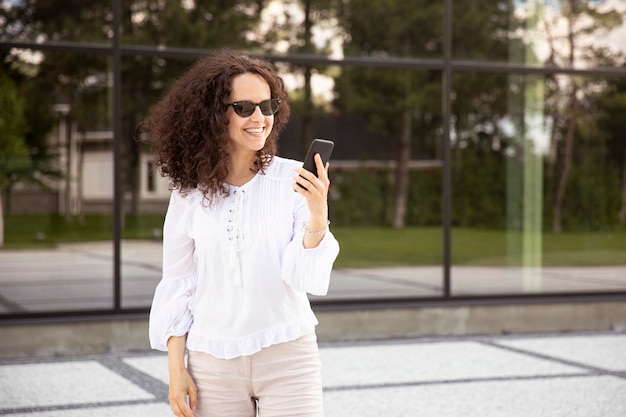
(236, 273)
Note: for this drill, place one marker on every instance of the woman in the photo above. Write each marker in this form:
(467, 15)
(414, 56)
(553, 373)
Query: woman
(245, 238)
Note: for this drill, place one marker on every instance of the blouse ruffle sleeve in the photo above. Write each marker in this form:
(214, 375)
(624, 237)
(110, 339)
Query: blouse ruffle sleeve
(308, 269)
(171, 312)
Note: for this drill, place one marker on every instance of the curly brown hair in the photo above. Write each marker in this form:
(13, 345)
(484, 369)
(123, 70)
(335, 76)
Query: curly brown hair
(189, 126)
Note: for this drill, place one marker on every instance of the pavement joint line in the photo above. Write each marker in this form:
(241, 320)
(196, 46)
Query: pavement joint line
(146, 382)
(144, 265)
(594, 370)
(91, 255)
(133, 279)
(11, 306)
(98, 357)
(39, 409)
(455, 381)
(560, 276)
(399, 281)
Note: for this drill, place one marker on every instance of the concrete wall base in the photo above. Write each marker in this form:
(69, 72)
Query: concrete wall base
(471, 320)
(102, 336)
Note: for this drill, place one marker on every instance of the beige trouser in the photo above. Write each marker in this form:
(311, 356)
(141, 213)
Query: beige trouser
(281, 380)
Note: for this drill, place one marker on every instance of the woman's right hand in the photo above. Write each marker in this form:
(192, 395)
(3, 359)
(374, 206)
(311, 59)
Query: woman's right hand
(181, 383)
(181, 387)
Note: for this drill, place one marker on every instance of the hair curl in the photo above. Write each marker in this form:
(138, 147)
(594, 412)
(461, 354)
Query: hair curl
(189, 125)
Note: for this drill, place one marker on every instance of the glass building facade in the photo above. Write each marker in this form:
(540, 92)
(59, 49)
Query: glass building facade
(480, 153)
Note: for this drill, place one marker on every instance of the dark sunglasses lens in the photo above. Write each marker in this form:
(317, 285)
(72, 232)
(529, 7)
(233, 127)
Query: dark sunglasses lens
(244, 108)
(269, 107)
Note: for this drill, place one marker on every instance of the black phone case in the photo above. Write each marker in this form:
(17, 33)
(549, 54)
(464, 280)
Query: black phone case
(324, 148)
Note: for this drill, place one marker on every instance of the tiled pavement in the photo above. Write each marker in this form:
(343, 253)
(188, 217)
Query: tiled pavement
(554, 375)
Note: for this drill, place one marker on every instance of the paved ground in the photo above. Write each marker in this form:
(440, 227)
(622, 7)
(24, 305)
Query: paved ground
(554, 375)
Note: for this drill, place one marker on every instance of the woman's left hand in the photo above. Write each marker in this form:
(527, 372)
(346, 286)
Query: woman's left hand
(315, 190)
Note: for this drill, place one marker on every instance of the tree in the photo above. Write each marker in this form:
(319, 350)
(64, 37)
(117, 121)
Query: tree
(611, 105)
(14, 157)
(288, 27)
(392, 100)
(584, 20)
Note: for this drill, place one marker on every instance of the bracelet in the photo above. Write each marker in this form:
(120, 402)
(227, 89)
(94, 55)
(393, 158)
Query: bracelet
(305, 228)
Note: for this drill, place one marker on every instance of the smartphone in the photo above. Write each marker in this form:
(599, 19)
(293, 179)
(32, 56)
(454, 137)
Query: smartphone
(321, 146)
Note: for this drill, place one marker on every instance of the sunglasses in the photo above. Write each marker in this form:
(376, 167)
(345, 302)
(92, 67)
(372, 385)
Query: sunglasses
(245, 108)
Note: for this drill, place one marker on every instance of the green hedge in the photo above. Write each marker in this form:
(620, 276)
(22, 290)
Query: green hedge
(364, 197)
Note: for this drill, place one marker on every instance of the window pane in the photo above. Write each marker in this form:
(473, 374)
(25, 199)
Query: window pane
(58, 226)
(145, 193)
(538, 187)
(375, 116)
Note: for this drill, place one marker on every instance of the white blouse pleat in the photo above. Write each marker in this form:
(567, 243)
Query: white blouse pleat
(236, 237)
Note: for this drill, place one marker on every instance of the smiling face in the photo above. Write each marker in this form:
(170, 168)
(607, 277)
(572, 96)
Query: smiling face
(248, 134)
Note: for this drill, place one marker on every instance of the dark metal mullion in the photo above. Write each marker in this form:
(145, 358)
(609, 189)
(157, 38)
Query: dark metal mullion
(447, 170)
(509, 299)
(117, 194)
(370, 62)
